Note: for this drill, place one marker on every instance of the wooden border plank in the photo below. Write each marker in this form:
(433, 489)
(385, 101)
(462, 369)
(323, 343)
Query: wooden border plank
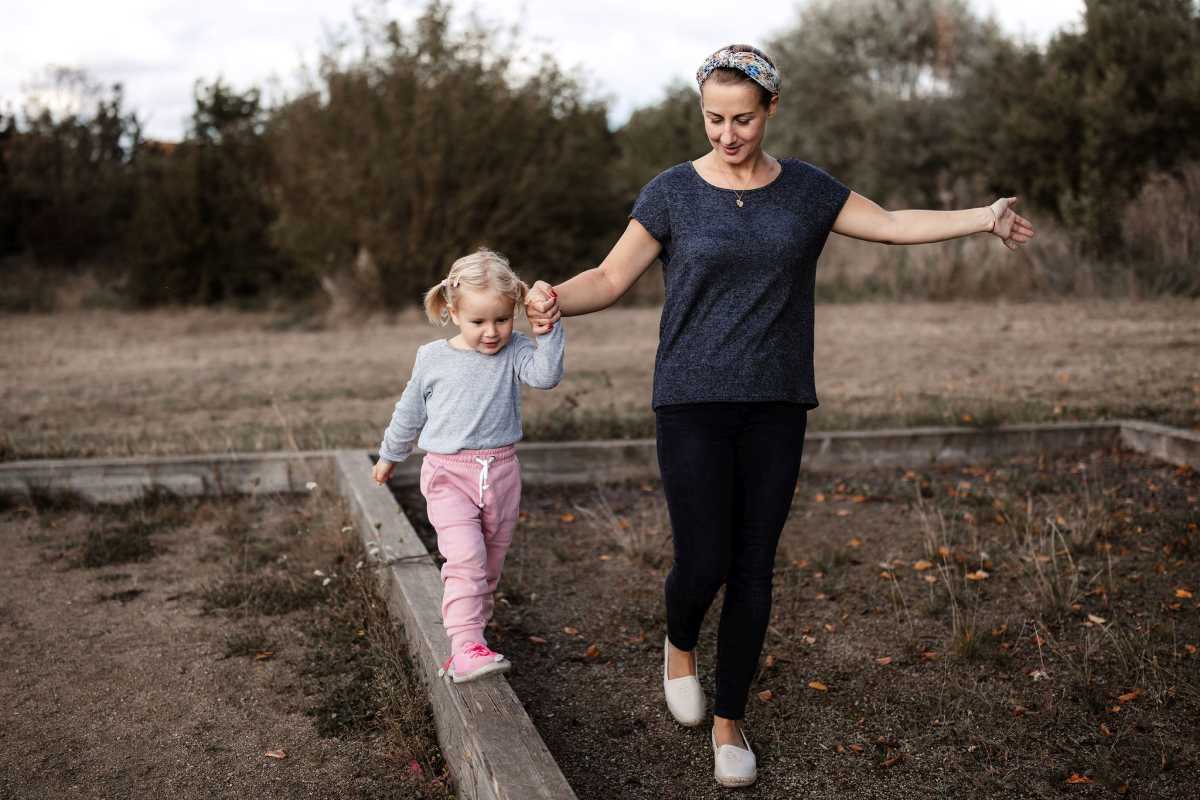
(1173, 445)
(115, 480)
(487, 739)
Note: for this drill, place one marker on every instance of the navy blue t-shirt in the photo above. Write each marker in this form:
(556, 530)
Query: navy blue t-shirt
(737, 324)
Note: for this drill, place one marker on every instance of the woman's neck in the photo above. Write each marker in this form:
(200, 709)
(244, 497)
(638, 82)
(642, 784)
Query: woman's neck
(756, 170)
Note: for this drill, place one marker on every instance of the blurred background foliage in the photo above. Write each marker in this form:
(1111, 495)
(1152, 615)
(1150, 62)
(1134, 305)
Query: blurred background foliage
(409, 146)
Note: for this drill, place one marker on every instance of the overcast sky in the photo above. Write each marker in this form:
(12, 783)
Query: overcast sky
(157, 48)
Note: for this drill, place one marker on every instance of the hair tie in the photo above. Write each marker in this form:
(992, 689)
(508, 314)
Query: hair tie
(755, 67)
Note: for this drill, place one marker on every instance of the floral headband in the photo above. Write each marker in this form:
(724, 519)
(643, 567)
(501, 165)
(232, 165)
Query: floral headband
(755, 66)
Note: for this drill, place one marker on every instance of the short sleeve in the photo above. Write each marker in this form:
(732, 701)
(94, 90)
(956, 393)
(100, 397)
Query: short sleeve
(825, 194)
(652, 209)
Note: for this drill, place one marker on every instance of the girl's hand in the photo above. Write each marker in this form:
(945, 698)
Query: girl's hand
(541, 307)
(382, 471)
(1013, 229)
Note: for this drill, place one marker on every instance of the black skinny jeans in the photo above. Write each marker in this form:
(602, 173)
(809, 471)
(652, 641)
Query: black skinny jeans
(729, 471)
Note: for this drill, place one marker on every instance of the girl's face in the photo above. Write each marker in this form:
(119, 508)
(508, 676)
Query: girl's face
(734, 119)
(485, 318)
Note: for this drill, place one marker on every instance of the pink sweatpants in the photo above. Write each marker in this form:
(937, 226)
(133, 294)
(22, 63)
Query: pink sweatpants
(472, 500)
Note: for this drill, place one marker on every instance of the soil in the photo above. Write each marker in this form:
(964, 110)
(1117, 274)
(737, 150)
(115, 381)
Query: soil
(167, 648)
(1022, 629)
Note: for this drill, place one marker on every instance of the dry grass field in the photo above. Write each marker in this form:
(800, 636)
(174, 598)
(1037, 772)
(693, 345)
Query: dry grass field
(105, 383)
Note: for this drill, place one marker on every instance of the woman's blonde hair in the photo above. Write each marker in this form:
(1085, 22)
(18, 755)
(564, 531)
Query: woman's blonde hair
(482, 270)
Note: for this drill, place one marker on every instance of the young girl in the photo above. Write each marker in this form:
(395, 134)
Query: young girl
(464, 402)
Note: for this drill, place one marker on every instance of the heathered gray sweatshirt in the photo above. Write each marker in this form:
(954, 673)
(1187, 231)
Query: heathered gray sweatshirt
(465, 400)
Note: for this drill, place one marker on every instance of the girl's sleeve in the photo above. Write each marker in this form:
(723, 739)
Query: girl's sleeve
(407, 420)
(539, 362)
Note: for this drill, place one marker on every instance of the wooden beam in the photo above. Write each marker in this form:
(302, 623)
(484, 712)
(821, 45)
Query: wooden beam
(117, 480)
(1173, 445)
(487, 739)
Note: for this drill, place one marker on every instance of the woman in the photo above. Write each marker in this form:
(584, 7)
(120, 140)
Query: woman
(738, 233)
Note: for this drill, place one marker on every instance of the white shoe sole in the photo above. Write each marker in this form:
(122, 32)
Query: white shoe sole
(493, 668)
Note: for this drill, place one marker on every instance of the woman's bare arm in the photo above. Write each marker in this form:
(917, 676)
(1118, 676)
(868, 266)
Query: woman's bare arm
(861, 218)
(600, 286)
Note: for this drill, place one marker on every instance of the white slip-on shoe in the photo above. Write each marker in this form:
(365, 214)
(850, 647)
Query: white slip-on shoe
(733, 766)
(685, 698)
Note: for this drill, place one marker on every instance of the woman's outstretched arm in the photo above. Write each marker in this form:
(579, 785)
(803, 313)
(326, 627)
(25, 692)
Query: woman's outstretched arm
(596, 288)
(860, 218)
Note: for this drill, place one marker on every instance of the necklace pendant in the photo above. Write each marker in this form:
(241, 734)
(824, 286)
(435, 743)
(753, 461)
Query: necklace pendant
(740, 203)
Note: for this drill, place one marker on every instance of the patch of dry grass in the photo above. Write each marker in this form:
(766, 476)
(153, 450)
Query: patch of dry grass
(167, 382)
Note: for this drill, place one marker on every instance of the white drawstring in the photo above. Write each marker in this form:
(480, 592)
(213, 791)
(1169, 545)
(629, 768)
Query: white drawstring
(484, 463)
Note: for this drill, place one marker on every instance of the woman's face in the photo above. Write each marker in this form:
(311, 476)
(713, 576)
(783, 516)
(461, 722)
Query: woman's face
(734, 119)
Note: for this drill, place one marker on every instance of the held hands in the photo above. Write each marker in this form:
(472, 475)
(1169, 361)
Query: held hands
(541, 307)
(1013, 229)
(382, 471)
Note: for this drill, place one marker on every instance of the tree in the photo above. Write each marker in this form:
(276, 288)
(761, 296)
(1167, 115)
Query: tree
(430, 143)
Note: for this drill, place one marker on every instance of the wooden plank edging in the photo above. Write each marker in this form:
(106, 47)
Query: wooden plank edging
(117, 480)
(490, 744)
(1173, 445)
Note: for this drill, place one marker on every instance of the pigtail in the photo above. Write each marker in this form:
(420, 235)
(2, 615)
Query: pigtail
(437, 304)
(521, 292)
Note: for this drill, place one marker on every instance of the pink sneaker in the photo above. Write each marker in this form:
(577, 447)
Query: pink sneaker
(474, 661)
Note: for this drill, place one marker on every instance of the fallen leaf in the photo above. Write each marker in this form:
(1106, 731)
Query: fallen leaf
(857, 542)
(929, 655)
(766, 695)
(828, 628)
(820, 498)
(843, 512)
(858, 748)
(1191, 648)
(1077, 778)
(606, 557)
(859, 498)
(567, 517)
(820, 687)
(944, 551)
(977, 575)
(770, 660)
(1039, 675)
(1095, 620)
(275, 754)
(592, 652)
(837, 748)
(922, 565)
(1019, 711)
(929, 578)
(263, 655)
(569, 631)
(893, 761)
(537, 640)
(809, 639)
(1105, 730)
(1183, 593)
(1129, 697)
(884, 661)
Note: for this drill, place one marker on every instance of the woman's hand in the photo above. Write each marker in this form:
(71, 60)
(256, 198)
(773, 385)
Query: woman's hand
(541, 307)
(382, 471)
(1013, 229)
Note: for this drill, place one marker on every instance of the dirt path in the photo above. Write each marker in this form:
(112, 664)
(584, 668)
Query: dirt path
(116, 683)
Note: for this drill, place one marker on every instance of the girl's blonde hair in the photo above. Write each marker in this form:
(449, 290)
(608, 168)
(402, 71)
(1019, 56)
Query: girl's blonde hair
(482, 270)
